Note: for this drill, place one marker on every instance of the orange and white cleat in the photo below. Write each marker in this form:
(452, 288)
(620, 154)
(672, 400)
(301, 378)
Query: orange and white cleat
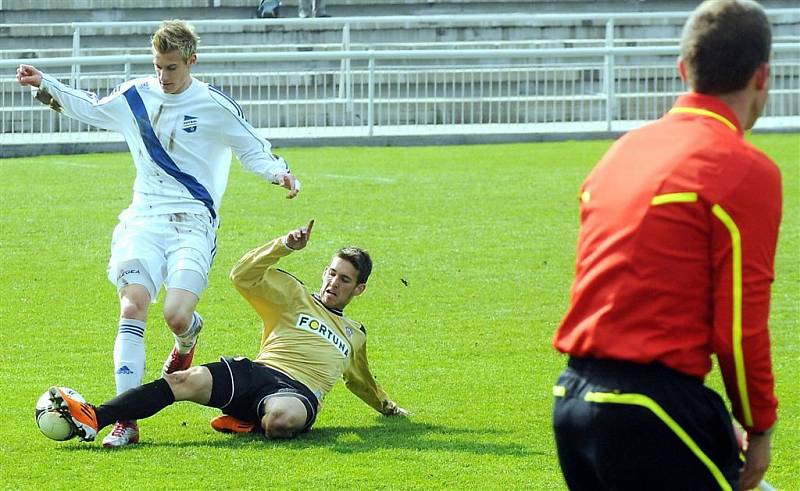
(122, 433)
(228, 424)
(81, 414)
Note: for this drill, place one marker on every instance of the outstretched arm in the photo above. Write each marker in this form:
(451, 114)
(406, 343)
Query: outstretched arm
(106, 113)
(360, 381)
(250, 273)
(253, 151)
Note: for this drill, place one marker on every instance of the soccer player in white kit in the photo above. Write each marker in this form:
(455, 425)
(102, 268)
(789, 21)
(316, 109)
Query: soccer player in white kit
(180, 132)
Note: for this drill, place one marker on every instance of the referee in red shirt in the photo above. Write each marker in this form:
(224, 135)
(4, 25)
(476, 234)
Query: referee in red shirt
(679, 223)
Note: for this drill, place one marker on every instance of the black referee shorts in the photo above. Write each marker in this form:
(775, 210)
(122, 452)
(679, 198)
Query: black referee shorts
(240, 388)
(628, 426)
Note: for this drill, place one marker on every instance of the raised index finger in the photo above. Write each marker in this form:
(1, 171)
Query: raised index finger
(308, 228)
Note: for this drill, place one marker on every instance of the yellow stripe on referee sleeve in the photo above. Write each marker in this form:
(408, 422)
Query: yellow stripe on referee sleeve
(559, 390)
(644, 401)
(736, 335)
(662, 199)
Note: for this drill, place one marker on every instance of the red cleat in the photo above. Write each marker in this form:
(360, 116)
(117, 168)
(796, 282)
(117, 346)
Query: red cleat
(177, 362)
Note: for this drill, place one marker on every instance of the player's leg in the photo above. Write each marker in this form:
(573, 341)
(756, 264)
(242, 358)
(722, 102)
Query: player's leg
(139, 402)
(190, 250)
(129, 351)
(319, 8)
(304, 8)
(184, 322)
(285, 407)
(255, 397)
(137, 268)
(285, 416)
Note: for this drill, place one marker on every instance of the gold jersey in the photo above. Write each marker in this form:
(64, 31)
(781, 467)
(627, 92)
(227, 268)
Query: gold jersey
(303, 338)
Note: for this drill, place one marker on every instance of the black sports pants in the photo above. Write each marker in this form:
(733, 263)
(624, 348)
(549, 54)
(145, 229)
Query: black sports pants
(621, 426)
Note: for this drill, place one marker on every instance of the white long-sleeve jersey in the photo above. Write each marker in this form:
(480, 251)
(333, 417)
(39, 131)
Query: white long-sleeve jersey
(181, 143)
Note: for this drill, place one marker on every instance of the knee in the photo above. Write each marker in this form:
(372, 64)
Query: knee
(282, 424)
(179, 381)
(177, 319)
(192, 384)
(134, 304)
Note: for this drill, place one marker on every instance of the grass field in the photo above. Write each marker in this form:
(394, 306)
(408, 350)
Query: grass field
(484, 237)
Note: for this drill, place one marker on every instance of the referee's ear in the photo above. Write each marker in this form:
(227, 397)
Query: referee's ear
(682, 71)
(761, 76)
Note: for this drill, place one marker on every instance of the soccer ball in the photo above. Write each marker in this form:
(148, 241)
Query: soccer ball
(51, 422)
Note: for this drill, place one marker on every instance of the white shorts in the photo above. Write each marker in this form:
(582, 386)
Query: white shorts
(176, 250)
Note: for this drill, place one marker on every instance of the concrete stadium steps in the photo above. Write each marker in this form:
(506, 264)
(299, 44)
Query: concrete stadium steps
(37, 11)
(35, 37)
(25, 11)
(38, 40)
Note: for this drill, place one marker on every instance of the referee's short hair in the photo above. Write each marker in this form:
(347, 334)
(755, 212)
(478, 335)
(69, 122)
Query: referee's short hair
(360, 260)
(723, 43)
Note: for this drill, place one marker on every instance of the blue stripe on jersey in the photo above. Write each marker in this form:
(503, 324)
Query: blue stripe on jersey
(217, 90)
(160, 156)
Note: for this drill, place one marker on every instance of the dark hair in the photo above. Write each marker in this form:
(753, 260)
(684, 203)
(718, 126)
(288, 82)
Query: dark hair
(723, 43)
(360, 260)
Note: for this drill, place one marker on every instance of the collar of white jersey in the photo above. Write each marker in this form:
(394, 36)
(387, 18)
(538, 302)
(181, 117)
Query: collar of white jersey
(193, 82)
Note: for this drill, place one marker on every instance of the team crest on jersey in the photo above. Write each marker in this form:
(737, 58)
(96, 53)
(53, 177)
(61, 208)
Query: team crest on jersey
(312, 324)
(348, 331)
(190, 124)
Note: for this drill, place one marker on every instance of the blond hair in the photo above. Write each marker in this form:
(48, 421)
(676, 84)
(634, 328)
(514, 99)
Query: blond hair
(176, 35)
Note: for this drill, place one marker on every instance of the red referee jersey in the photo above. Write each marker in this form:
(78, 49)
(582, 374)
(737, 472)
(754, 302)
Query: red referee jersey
(679, 223)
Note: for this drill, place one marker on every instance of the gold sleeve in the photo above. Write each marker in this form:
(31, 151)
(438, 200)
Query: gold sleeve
(362, 383)
(261, 284)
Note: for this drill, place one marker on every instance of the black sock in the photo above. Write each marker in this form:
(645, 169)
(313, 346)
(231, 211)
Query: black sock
(137, 403)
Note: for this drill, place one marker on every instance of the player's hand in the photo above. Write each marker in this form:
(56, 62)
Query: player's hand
(29, 75)
(288, 181)
(297, 239)
(395, 410)
(399, 411)
(756, 460)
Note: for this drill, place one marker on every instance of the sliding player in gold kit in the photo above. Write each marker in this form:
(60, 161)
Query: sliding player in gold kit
(306, 344)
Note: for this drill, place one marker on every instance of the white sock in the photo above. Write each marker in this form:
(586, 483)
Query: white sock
(185, 342)
(129, 359)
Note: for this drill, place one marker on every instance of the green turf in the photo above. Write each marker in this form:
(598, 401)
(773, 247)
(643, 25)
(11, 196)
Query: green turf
(484, 237)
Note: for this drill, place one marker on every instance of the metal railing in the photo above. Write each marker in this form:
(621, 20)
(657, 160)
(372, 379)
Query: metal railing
(386, 93)
(347, 24)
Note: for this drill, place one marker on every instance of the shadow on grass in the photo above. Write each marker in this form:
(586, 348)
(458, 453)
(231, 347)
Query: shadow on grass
(389, 433)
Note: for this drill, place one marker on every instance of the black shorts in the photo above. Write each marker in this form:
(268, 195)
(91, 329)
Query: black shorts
(621, 425)
(240, 388)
